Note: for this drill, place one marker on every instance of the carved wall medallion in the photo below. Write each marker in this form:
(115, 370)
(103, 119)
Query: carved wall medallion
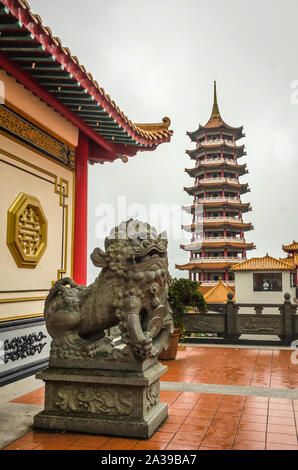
(23, 346)
(26, 231)
(92, 400)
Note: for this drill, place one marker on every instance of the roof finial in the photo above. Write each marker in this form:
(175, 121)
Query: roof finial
(215, 111)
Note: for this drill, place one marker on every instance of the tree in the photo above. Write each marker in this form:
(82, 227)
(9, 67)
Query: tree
(184, 293)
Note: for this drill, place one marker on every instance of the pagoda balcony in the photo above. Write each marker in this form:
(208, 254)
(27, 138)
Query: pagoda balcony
(219, 179)
(218, 199)
(223, 239)
(222, 219)
(212, 161)
(213, 283)
(218, 259)
(211, 142)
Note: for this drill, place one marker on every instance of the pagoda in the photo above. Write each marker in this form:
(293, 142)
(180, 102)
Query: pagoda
(217, 225)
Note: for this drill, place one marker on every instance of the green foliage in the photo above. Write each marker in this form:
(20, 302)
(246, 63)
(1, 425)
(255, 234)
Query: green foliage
(183, 293)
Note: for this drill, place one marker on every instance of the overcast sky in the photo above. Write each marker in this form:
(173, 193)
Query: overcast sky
(159, 58)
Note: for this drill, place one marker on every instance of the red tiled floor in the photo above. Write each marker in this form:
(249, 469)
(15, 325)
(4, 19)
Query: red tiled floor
(203, 421)
(241, 444)
(36, 397)
(118, 444)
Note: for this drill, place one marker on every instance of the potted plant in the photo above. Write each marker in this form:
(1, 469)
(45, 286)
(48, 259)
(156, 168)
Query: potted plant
(183, 295)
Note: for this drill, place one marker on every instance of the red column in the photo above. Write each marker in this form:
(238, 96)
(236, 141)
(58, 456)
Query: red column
(80, 212)
(226, 275)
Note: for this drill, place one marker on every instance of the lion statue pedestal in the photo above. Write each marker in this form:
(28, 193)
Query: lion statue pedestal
(95, 384)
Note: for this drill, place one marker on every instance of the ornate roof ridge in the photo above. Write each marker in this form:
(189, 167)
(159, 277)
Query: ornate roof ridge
(20, 9)
(262, 264)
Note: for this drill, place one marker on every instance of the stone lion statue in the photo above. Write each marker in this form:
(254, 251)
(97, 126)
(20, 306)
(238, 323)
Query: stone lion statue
(131, 291)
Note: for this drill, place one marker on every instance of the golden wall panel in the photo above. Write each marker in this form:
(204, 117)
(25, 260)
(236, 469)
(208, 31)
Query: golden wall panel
(25, 171)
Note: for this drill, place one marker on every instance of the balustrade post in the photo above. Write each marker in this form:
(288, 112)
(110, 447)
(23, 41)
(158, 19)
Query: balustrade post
(288, 324)
(230, 332)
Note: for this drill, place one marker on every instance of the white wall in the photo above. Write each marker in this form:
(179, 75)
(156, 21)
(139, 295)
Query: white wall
(244, 292)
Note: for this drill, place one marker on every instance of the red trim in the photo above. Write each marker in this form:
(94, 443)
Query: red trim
(80, 213)
(33, 85)
(69, 63)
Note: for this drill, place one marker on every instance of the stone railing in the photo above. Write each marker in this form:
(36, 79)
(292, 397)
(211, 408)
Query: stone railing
(228, 324)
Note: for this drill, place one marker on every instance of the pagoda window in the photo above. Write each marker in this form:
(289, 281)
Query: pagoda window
(215, 195)
(215, 234)
(231, 278)
(267, 282)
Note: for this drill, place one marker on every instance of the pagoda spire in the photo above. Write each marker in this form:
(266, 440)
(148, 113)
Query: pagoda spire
(215, 111)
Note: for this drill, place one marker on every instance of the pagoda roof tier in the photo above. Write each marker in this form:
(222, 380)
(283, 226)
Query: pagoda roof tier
(292, 260)
(219, 183)
(214, 145)
(267, 263)
(291, 248)
(217, 164)
(219, 244)
(216, 123)
(219, 202)
(224, 222)
(37, 59)
(205, 266)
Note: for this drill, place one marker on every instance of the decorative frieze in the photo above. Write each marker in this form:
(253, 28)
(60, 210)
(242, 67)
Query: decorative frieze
(94, 400)
(36, 137)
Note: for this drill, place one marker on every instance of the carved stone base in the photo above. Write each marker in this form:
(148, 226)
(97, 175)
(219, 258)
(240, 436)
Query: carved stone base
(116, 403)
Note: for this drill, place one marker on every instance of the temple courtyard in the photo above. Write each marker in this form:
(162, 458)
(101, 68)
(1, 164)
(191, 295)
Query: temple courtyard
(219, 398)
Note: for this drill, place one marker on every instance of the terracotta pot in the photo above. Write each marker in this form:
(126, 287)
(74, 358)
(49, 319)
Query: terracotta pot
(171, 351)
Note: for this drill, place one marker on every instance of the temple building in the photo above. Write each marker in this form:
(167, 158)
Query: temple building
(55, 118)
(292, 259)
(217, 225)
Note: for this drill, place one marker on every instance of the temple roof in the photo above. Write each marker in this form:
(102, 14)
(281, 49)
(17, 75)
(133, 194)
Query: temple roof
(216, 121)
(292, 260)
(267, 263)
(218, 293)
(291, 248)
(35, 57)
